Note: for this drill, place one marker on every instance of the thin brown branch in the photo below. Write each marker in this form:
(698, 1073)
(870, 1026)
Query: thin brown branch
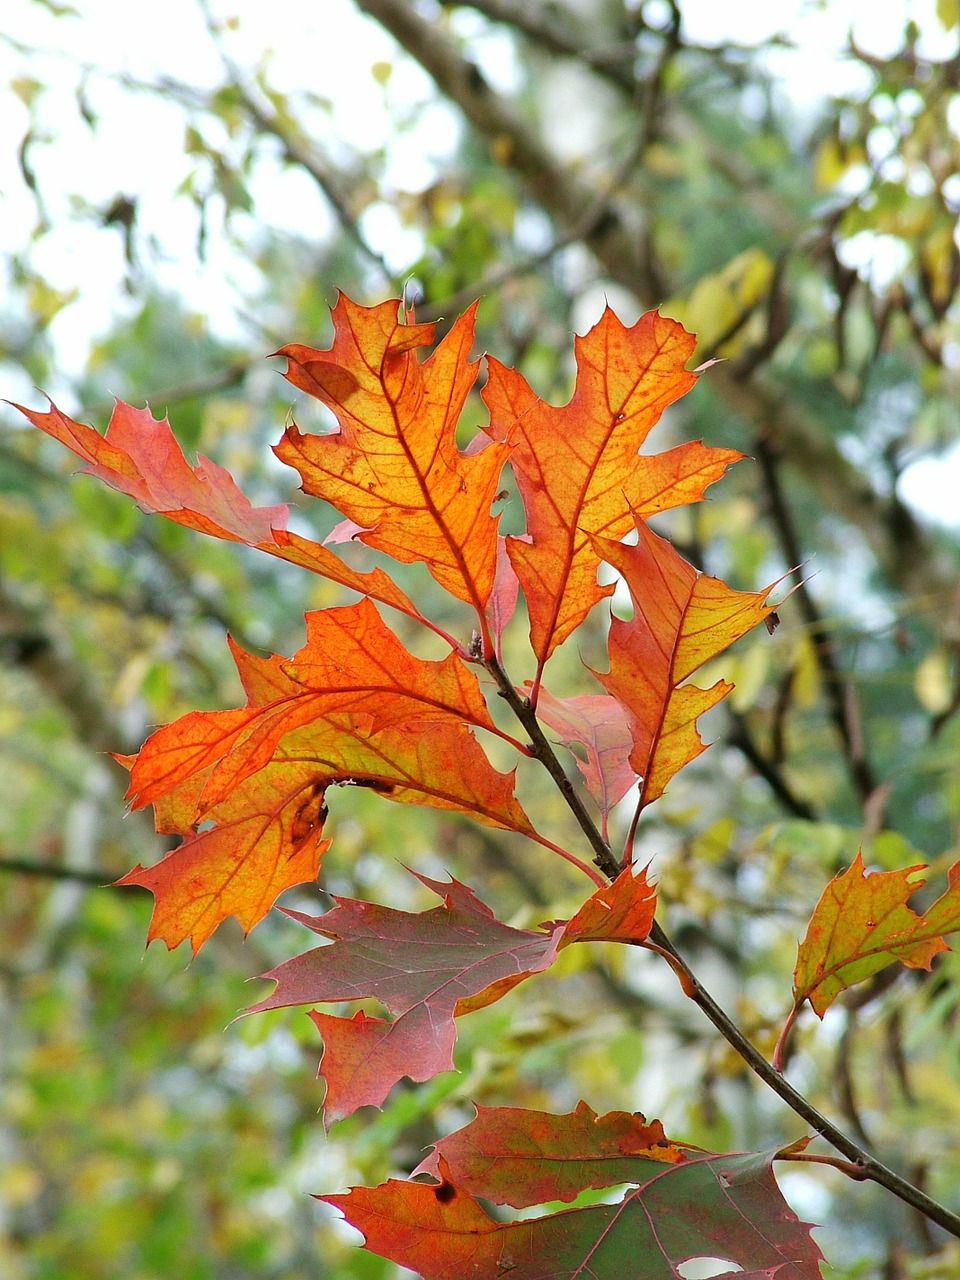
(56, 871)
(841, 700)
(231, 375)
(872, 1168)
(742, 739)
(544, 752)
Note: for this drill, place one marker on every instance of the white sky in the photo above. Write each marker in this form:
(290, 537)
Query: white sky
(329, 49)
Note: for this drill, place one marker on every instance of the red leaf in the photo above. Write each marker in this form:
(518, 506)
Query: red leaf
(862, 924)
(141, 457)
(423, 967)
(428, 968)
(599, 724)
(523, 1158)
(577, 466)
(707, 1206)
(681, 619)
(393, 467)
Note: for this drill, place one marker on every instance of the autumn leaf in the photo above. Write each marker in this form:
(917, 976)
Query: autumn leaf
(393, 467)
(598, 724)
(619, 912)
(522, 1158)
(351, 706)
(266, 837)
(681, 619)
(428, 968)
(707, 1206)
(141, 457)
(578, 469)
(424, 967)
(862, 924)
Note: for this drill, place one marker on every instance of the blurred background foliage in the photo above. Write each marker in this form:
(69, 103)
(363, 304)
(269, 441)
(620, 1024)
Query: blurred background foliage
(165, 234)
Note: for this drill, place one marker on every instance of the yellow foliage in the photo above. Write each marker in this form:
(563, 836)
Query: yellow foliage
(721, 301)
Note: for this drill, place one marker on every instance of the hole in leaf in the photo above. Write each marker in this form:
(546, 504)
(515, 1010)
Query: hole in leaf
(704, 1268)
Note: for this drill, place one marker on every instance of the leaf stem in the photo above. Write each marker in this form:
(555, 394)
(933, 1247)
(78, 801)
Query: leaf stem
(781, 1045)
(852, 1170)
(544, 752)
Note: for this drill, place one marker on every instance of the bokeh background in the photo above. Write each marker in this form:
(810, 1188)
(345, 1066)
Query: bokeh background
(183, 188)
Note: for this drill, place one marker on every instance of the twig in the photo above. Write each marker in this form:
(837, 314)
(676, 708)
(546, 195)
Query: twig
(741, 738)
(658, 940)
(842, 705)
(56, 871)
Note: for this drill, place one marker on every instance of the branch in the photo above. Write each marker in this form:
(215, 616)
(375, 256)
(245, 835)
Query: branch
(613, 62)
(742, 739)
(230, 375)
(56, 871)
(659, 941)
(872, 1168)
(544, 752)
(841, 700)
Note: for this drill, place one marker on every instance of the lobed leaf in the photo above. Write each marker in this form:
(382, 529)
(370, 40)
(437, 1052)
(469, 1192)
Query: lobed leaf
(267, 837)
(140, 457)
(577, 466)
(424, 967)
(681, 619)
(428, 968)
(351, 706)
(393, 467)
(706, 1206)
(862, 924)
(522, 1158)
(598, 723)
(622, 911)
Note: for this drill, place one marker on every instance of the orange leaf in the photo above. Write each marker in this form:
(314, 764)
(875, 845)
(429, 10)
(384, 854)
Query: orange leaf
(351, 706)
(577, 466)
(862, 924)
(140, 456)
(393, 467)
(619, 912)
(681, 619)
(266, 838)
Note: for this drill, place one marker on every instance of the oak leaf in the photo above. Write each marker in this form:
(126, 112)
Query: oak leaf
(351, 706)
(578, 469)
(522, 1158)
(393, 467)
(424, 967)
(428, 968)
(622, 911)
(598, 724)
(140, 457)
(862, 924)
(706, 1206)
(681, 619)
(265, 838)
